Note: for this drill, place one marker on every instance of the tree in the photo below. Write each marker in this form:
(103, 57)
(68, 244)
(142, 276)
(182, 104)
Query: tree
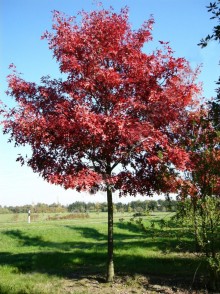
(111, 123)
(152, 205)
(214, 8)
(207, 175)
(200, 189)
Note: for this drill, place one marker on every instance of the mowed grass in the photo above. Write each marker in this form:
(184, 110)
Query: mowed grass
(38, 257)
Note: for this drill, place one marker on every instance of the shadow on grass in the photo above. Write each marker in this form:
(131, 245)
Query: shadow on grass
(92, 238)
(132, 227)
(24, 240)
(165, 240)
(88, 232)
(80, 259)
(96, 235)
(80, 264)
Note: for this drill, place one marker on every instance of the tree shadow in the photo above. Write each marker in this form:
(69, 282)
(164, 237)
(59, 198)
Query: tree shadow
(63, 264)
(132, 227)
(92, 233)
(80, 264)
(88, 232)
(166, 240)
(25, 240)
(93, 239)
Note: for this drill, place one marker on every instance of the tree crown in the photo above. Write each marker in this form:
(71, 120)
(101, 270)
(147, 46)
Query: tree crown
(117, 117)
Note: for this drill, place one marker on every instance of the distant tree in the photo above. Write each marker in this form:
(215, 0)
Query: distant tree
(152, 205)
(90, 206)
(129, 208)
(111, 124)
(58, 208)
(77, 206)
(97, 207)
(4, 210)
(104, 207)
(120, 207)
(40, 208)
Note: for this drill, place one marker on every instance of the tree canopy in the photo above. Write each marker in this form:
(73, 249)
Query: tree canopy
(117, 107)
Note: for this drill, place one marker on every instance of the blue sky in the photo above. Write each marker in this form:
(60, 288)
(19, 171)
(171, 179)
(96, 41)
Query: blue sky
(22, 22)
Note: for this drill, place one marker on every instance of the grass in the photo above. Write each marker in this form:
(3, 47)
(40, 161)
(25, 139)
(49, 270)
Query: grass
(39, 257)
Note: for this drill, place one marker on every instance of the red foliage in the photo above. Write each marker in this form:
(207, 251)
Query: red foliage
(203, 141)
(116, 118)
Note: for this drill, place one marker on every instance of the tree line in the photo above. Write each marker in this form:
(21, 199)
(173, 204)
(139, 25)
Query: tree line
(80, 206)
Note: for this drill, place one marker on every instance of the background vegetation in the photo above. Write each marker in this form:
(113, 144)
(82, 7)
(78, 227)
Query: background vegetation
(80, 206)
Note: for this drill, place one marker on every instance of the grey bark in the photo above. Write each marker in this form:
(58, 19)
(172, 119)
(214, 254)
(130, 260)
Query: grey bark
(110, 262)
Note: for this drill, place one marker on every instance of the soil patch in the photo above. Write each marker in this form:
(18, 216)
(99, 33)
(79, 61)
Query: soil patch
(137, 284)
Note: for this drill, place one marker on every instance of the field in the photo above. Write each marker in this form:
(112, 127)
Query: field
(57, 255)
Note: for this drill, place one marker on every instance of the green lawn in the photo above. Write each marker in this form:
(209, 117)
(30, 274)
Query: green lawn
(43, 254)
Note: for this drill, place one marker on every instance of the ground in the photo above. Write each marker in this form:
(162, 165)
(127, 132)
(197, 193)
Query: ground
(127, 285)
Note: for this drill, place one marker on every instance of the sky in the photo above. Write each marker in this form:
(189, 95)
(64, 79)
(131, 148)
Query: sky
(22, 22)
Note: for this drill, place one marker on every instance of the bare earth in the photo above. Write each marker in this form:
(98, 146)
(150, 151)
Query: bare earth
(127, 285)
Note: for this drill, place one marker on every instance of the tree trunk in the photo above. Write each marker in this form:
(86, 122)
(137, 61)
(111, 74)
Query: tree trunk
(110, 264)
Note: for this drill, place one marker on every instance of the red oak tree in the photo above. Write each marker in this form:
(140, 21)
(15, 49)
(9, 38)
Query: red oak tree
(113, 122)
